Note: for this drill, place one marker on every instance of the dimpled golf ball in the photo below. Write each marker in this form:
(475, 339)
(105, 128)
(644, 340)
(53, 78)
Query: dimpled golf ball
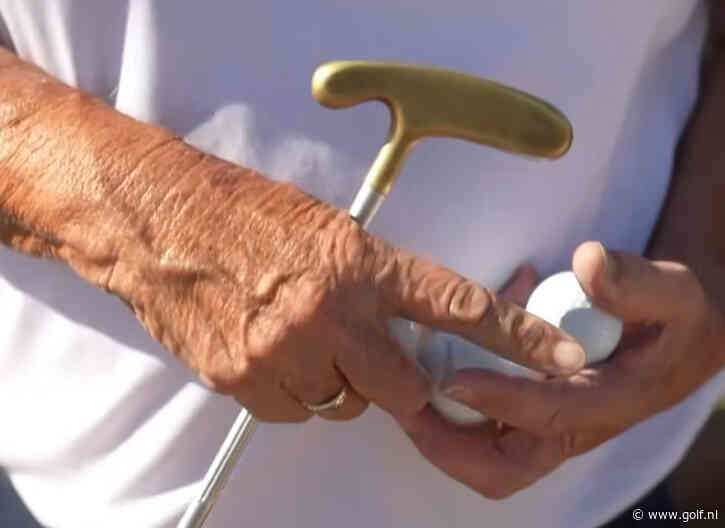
(443, 354)
(560, 301)
(440, 355)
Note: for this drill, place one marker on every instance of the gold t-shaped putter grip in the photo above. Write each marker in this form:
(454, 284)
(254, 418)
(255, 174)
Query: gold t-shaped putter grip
(424, 102)
(429, 102)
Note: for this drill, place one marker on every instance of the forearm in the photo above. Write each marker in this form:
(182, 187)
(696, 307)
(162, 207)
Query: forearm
(84, 183)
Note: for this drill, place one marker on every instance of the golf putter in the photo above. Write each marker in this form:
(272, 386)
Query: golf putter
(424, 102)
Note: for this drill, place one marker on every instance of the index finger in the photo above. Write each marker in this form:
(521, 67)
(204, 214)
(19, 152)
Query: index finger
(442, 299)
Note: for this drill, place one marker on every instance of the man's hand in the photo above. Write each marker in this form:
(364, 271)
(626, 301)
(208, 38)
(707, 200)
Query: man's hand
(276, 298)
(674, 337)
(267, 293)
(674, 341)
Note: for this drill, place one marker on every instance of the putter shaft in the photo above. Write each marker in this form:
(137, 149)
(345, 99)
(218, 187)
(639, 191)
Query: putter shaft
(362, 211)
(220, 470)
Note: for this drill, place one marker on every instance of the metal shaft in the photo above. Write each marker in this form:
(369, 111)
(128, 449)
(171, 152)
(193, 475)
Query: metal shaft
(220, 470)
(244, 427)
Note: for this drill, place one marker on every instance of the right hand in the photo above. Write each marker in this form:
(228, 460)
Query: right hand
(267, 293)
(275, 298)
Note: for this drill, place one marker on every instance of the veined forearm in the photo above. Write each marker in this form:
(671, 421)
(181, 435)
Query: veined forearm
(81, 182)
(63, 154)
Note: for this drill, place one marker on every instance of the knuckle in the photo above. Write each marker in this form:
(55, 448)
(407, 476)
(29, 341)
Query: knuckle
(260, 363)
(220, 368)
(354, 251)
(257, 360)
(270, 344)
(247, 377)
(390, 267)
(468, 302)
(529, 337)
(314, 301)
(409, 282)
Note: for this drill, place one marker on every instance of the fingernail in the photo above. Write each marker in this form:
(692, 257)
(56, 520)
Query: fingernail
(569, 356)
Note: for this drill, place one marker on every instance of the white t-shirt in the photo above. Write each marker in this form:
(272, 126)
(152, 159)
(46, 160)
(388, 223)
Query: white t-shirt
(101, 427)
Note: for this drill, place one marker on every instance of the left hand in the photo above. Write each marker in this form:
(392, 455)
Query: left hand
(674, 341)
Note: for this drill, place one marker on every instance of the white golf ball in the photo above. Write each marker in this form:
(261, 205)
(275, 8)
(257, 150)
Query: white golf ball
(560, 301)
(443, 354)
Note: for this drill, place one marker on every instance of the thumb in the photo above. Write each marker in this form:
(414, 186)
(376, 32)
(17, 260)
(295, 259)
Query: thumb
(634, 288)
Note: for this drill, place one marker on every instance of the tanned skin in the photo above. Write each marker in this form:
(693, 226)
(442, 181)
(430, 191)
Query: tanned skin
(274, 297)
(672, 305)
(269, 294)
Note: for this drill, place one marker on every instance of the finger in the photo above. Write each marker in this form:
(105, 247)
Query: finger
(378, 369)
(604, 399)
(324, 388)
(634, 288)
(441, 299)
(520, 286)
(353, 406)
(472, 456)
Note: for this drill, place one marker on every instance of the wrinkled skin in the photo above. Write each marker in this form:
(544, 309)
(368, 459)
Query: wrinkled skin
(674, 341)
(268, 294)
(672, 303)
(282, 298)
(274, 297)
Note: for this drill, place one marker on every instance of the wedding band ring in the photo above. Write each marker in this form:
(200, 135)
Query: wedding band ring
(332, 404)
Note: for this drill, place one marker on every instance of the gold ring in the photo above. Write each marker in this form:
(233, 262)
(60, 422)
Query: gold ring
(332, 404)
